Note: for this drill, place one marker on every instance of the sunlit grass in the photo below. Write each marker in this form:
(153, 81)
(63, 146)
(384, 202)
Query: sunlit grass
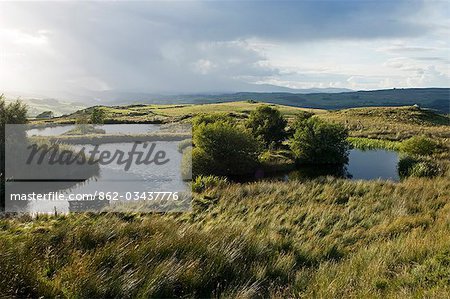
(325, 238)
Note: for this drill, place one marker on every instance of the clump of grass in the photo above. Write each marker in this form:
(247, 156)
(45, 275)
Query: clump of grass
(204, 182)
(419, 145)
(369, 144)
(83, 129)
(417, 167)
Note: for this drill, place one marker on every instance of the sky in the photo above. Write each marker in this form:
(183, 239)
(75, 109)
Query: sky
(222, 46)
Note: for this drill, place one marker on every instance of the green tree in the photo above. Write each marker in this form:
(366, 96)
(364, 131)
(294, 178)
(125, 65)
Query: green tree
(97, 116)
(224, 149)
(319, 142)
(268, 125)
(12, 113)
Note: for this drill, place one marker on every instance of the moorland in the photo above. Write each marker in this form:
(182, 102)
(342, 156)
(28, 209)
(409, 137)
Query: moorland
(326, 237)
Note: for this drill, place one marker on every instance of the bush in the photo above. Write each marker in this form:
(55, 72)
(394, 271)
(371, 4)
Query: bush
(204, 119)
(183, 144)
(419, 145)
(299, 121)
(186, 164)
(268, 125)
(318, 142)
(412, 166)
(202, 183)
(224, 149)
(97, 116)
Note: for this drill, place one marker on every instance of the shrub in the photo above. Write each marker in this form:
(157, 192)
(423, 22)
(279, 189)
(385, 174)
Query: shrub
(85, 129)
(267, 124)
(417, 167)
(204, 119)
(318, 142)
(419, 145)
(224, 149)
(186, 164)
(202, 183)
(183, 144)
(301, 117)
(97, 116)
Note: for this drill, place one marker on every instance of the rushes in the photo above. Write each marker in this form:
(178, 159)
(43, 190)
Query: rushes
(323, 238)
(370, 144)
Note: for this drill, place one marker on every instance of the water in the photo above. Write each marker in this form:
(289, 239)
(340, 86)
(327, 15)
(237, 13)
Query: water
(365, 165)
(109, 129)
(373, 164)
(113, 178)
(362, 165)
(50, 131)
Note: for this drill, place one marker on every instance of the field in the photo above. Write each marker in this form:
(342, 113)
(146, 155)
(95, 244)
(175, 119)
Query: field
(173, 113)
(322, 238)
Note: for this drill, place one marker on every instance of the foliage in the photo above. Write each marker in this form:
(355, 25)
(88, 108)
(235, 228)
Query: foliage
(45, 114)
(369, 144)
(204, 119)
(12, 113)
(277, 161)
(183, 144)
(186, 163)
(318, 142)
(223, 149)
(84, 129)
(417, 167)
(419, 145)
(97, 116)
(268, 125)
(301, 117)
(202, 183)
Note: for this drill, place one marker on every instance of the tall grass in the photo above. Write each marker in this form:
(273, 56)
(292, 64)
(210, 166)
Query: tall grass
(369, 144)
(323, 238)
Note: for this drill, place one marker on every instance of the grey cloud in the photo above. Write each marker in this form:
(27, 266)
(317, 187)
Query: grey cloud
(195, 46)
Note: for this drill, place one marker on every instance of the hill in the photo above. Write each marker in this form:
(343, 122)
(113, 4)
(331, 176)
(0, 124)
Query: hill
(433, 98)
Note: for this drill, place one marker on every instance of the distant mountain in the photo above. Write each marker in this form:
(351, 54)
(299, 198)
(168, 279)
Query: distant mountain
(434, 98)
(275, 88)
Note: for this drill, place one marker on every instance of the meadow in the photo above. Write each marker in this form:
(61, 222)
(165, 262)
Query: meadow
(325, 238)
(320, 238)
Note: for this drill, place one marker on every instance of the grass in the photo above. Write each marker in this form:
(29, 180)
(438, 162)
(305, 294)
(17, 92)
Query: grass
(369, 144)
(391, 123)
(171, 113)
(322, 238)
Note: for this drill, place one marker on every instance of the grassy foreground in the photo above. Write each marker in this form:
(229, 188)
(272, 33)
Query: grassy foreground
(323, 238)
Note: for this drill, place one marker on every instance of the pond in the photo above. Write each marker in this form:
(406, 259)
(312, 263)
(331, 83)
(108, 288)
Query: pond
(362, 165)
(109, 129)
(365, 165)
(113, 178)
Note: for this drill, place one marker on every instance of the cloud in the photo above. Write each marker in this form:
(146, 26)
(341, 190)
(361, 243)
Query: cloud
(203, 46)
